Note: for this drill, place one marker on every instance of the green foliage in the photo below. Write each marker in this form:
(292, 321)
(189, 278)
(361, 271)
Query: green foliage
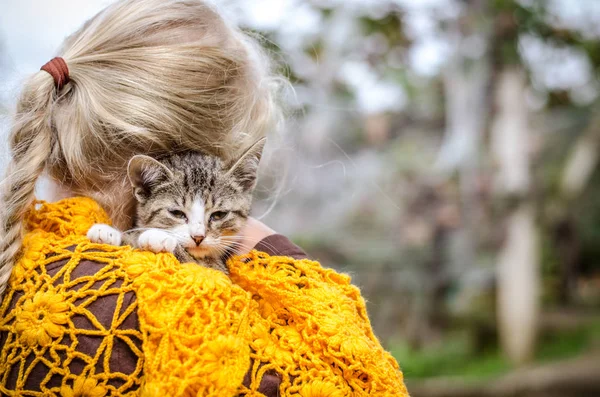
(587, 217)
(455, 356)
(555, 346)
(390, 26)
(514, 19)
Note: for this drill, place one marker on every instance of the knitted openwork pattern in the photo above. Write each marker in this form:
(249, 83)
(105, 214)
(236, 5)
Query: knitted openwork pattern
(199, 331)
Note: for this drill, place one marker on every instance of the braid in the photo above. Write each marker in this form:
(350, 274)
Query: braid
(31, 144)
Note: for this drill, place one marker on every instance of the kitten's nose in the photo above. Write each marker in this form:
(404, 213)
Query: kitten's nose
(198, 239)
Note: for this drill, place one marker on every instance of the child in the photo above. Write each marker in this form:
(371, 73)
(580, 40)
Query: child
(155, 77)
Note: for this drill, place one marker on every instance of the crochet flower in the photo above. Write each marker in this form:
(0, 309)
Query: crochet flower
(222, 358)
(319, 389)
(41, 317)
(83, 387)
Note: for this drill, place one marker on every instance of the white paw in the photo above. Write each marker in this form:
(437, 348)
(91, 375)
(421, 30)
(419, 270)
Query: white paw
(157, 240)
(104, 234)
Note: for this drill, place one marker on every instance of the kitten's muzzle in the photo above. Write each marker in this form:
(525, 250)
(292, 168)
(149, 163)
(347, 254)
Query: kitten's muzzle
(198, 239)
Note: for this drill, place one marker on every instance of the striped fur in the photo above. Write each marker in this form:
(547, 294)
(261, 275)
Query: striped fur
(197, 199)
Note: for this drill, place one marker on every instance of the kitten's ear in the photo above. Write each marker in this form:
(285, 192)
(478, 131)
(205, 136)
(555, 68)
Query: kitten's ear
(244, 170)
(144, 173)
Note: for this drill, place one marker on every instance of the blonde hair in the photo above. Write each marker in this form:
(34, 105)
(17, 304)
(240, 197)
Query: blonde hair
(146, 76)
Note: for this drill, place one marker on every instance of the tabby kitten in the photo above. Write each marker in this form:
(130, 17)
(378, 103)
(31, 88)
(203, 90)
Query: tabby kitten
(192, 205)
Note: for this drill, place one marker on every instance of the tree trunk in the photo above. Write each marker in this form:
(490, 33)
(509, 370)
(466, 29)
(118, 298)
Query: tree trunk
(518, 272)
(580, 165)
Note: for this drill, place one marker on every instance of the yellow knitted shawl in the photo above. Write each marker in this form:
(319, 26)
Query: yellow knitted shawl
(201, 331)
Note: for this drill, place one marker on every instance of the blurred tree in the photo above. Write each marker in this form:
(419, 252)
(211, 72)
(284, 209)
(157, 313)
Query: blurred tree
(518, 261)
(410, 111)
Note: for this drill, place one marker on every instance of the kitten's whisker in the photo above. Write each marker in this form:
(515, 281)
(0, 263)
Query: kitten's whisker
(220, 250)
(171, 233)
(243, 239)
(150, 228)
(239, 238)
(242, 247)
(232, 244)
(137, 229)
(226, 245)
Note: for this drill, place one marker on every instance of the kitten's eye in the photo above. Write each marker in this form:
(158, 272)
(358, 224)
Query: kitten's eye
(178, 214)
(218, 215)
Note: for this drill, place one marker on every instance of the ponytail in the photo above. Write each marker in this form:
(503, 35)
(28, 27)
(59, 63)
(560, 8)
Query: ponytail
(31, 141)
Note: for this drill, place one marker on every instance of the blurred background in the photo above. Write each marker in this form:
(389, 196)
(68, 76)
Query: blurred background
(442, 152)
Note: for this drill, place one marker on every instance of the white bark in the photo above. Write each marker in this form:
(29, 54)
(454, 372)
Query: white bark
(518, 272)
(518, 286)
(580, 165)
(510, 134)
(582, 160)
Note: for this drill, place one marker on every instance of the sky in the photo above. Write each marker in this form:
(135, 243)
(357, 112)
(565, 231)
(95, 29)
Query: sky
(31, 32)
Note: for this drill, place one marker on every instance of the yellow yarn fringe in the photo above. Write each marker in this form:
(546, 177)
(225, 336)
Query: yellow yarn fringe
(200, 330)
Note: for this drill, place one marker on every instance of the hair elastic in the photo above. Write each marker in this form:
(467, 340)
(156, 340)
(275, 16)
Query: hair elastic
(57, 67)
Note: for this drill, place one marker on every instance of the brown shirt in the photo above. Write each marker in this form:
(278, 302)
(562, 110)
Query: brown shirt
(278, 245)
